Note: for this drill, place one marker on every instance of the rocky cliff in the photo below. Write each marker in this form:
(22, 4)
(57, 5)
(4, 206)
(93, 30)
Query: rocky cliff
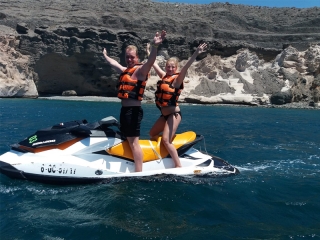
(256, 55)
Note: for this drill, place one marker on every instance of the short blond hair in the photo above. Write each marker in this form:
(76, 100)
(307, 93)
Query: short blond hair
(175, 60)
(132, 47)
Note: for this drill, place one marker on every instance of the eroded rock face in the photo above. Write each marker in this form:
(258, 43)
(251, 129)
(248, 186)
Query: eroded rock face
(315, 90)
(253, 52)
(71, 58)
(246, 59)
(312, 59)
(16, 77)
(256, 81)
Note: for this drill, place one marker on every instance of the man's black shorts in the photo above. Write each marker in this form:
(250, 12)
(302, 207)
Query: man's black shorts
(130, 121)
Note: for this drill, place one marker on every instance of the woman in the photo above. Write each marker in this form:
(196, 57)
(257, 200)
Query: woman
(167, 95)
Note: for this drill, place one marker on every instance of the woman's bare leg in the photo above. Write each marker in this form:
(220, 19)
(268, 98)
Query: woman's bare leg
(157, 128)
(169, 131)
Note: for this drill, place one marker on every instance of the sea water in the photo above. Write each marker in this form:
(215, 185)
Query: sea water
(275, 196)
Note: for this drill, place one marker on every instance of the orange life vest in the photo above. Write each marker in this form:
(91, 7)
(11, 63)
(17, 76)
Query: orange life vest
(129, 88)
(166, 94)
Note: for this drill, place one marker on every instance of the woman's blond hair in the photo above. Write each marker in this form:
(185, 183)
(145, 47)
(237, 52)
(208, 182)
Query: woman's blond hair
(175, 60)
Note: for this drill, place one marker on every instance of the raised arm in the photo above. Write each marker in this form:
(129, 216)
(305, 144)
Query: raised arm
(113, 63)
(155, 65)
(157, 40)
(200, 49)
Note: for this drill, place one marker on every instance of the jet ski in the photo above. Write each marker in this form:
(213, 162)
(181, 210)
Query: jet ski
(82, 152)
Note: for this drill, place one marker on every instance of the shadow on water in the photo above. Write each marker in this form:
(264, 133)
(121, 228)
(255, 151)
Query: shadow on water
(211, 178)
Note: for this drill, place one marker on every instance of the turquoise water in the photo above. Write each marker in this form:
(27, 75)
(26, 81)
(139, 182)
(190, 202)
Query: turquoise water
(275, 196)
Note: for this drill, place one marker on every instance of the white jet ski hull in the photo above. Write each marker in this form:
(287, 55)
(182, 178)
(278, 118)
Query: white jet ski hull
(87, 161)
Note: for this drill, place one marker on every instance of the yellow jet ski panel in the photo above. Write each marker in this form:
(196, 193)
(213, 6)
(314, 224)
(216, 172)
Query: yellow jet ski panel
(152, 149)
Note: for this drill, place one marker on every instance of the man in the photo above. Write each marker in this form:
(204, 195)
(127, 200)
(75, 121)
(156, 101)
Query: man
(131, 86)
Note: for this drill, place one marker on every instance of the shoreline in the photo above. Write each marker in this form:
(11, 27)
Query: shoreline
(294, 105)
(83, 98)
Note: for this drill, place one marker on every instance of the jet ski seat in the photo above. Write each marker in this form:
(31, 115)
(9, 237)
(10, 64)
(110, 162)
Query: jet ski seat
(152, 150)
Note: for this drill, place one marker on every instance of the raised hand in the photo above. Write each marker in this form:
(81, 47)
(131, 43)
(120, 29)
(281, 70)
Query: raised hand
(201, 48)
(104, 52)
(158, 38)
(148, 49)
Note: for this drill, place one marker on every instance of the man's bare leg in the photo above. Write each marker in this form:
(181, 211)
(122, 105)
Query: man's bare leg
(136, 152)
